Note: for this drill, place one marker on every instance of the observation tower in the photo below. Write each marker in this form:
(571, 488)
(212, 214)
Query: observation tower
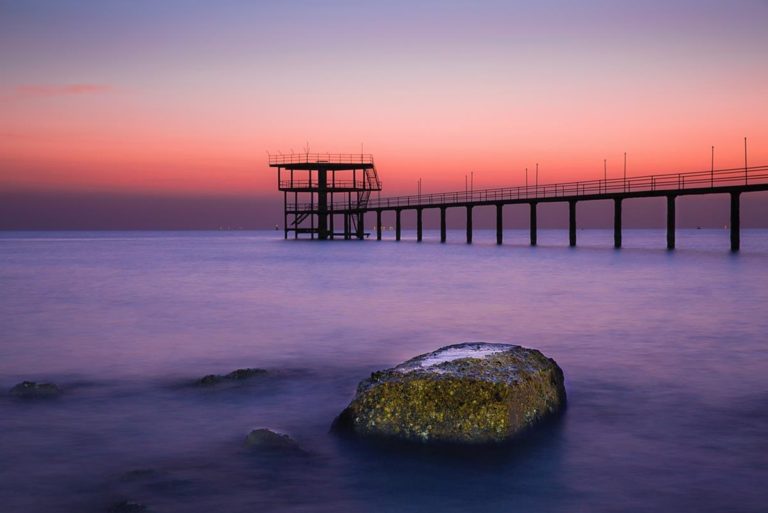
(318, 187)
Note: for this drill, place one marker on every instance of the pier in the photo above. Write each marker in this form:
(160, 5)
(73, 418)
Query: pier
(732, 181)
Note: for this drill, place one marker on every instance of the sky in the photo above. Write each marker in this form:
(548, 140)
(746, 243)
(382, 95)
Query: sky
(174, 105)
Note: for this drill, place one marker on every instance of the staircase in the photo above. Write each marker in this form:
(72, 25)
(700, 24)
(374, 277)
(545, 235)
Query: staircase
(371, 182)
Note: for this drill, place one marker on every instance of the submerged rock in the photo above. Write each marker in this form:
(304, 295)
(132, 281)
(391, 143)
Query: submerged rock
(464, 393)
(236, 375)
(32, 390)
(127, 507)
(266, 439)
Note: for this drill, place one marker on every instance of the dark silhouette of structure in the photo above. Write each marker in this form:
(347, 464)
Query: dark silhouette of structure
(324, 186)
(734, 181)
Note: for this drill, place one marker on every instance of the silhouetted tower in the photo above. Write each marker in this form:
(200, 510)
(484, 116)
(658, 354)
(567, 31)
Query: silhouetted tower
(324, 186)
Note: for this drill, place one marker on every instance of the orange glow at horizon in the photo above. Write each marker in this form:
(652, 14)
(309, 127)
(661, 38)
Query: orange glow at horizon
(185, 116)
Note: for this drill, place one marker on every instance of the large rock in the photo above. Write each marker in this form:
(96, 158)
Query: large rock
(464, 393)
(33, 390)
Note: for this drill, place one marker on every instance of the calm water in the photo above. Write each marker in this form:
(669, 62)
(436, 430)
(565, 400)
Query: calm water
(665, 356)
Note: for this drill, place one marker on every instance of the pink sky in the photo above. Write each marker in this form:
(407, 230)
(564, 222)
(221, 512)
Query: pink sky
(172, 99)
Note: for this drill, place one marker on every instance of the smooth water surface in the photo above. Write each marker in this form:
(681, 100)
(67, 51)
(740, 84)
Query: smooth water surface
(665, 356)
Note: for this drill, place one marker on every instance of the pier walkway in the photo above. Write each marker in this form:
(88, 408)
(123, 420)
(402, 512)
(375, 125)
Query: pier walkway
(733, 181)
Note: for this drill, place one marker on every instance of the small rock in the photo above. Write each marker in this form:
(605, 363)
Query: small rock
(236, 375)
(210, 379)
(266, 439)
(465, 393)
(32, 390)
(245, 374)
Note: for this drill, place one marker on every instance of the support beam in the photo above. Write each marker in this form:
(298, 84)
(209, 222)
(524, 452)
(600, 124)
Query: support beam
(322, 204)
(671, 221)
(360, 225)
(469, 224)
(499, 224)
(442, 224)
(378, 225)
(617, 223)
(418, 224)
(397, 224)
(533, 223)
(285, 215)
(735, 221)
(572, 223)
(346, 226)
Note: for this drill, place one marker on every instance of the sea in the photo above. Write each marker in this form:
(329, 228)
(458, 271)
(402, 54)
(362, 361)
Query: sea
(665, 356)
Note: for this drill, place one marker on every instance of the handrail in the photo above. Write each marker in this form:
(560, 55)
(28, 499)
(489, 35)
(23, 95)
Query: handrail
(669, 182)
(645, 183)
(321, 158)
(337, 184)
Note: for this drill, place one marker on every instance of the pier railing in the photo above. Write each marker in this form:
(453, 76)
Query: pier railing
(312, 158)
(661, 182)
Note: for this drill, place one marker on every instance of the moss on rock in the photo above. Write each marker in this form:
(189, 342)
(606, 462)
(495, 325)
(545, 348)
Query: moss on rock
(465, 393)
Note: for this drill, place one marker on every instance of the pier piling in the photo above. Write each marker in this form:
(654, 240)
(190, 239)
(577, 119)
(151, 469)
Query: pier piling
(418, 224)
(533, 223)
(378, 225)
(735, 221)
(397, 224)
(442, 224)
(617, 223)
(671, 221)
(469, 224)
(499, 224)
(572, 223)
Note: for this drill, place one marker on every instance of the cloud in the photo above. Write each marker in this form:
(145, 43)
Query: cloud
(47, 90)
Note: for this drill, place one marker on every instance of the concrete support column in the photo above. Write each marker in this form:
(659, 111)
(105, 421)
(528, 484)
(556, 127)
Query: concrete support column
(397, 224)
(572, 223)
(735, 221)
(469, 224)
(617, 223)
(418, 224)
(671, 221)
(499, 224)
(533, 223)
(442, 224)
(378, 225)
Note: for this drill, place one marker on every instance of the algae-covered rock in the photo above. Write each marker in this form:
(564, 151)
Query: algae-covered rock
(464, 393)
(32, 390)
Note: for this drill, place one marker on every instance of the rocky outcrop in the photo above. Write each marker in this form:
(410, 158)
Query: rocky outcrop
(465, 393)
(267, 440)
(237, 375)
(32, 390)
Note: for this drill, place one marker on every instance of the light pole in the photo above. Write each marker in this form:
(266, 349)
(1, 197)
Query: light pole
(746, 177)
(625, 171)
